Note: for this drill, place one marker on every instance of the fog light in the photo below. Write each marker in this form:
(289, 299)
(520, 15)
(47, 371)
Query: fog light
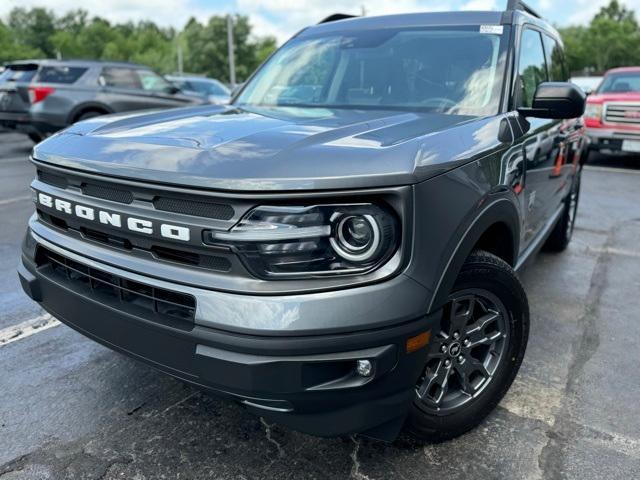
(364, 368)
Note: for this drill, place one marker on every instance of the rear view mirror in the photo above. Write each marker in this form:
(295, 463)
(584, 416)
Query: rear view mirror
(556, 100)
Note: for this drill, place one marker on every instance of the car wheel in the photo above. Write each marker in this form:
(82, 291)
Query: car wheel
(35, 137)
(476, 353)
(88, 115)
(563, 231)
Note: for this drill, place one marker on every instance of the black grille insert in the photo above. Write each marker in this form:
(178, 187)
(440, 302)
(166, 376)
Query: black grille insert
(216, 211)
(107, 193)
(52, 179)
(211, 262)
(148, 302)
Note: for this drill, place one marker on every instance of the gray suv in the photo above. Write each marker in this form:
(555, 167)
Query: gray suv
(42, 97)
(337, 249)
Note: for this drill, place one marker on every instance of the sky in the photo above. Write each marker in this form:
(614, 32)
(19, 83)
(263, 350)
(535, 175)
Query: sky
(283, 18)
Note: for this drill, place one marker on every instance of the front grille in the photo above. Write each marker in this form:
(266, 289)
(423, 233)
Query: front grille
(52, 179)
(139, 299)
(107, 193)
(627, 114)
(201, 207)
(215, 211)
(185, 257)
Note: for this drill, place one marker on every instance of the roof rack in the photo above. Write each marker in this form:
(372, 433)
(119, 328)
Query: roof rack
(520, 5)
(335, 17)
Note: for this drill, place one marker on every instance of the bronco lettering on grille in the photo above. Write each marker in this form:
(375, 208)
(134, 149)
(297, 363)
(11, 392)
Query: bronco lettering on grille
(138, 225)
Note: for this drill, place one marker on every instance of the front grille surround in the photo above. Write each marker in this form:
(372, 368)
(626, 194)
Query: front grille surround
(157, 199)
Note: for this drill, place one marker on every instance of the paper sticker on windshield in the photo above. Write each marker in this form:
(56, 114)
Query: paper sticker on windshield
(492, 29)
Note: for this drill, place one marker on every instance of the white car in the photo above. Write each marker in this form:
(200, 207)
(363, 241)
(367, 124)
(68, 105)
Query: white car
(587, 84)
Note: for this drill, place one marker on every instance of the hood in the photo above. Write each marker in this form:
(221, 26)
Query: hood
(614, 97)
(227, 148)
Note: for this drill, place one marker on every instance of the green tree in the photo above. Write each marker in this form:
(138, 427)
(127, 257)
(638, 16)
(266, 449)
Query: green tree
(37, 33)
(207, 48)
(33, 28)
(612, 39)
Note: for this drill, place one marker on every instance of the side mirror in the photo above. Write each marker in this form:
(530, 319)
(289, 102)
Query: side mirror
(172, 90)
(556, 100)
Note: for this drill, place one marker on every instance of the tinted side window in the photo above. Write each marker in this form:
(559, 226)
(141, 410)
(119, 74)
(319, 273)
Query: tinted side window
(555, 60)
(19, 75)
(60, 74)
(532, 68)
(120, 78)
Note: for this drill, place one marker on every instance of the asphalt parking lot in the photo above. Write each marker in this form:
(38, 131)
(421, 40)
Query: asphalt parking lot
(70, 408)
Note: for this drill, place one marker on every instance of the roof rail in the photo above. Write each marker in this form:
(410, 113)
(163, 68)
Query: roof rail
(520, 5)
(335, 17)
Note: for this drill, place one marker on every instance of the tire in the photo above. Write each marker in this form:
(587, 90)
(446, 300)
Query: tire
(35, 137)
(88, 115)
(484, 281)
(561, 234)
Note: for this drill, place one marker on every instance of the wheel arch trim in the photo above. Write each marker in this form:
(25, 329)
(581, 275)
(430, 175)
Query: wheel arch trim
(86, 107)
(499, 210)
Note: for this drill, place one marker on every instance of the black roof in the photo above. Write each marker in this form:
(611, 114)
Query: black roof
(517, 13)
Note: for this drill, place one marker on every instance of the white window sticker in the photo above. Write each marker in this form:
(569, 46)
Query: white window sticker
(492, 29)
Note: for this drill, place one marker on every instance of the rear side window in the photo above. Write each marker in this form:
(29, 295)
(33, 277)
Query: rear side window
(555, 60)
(18, 74)
(532, 69)
(120, 78)
(208, 88)
(60, 74)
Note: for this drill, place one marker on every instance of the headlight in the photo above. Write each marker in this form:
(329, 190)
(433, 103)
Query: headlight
(297, 241)
(593, 110)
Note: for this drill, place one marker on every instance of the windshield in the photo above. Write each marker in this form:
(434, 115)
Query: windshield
(449, 70)
(621, 83)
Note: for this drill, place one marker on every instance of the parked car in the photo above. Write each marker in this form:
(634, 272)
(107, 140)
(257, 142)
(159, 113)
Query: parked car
(336, 250)
(587, 84)
(46, 96)
(14, 96)
(209, 89)
(612, 116)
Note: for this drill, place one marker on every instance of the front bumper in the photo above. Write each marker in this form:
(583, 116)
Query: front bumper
(610, 140)
(307, 382)
(24, 123)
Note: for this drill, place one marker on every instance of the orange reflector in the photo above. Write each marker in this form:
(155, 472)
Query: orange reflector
(417, 342)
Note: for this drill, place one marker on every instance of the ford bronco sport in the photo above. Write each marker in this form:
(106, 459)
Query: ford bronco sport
(336, 249)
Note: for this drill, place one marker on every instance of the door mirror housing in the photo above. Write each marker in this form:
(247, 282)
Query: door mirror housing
(556, 100)
(173, 90)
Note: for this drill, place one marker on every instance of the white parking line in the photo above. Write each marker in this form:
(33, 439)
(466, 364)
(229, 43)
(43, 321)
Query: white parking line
(27, 328)
(8, 201)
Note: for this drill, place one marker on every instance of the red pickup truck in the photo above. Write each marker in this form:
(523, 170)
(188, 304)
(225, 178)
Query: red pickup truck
(612, 117)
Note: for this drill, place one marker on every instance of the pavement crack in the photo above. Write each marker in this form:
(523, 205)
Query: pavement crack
(561, 430)
(355, 467)
(134, 410)
(270, 439)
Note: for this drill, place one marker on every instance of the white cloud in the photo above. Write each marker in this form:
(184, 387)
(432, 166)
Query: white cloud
(586, 9)
(480, 5)
(283, 18)
(164, 12)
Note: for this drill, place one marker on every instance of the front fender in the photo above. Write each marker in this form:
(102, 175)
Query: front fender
(453, 211)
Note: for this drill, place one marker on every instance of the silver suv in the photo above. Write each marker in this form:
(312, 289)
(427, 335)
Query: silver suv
(44, 96)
